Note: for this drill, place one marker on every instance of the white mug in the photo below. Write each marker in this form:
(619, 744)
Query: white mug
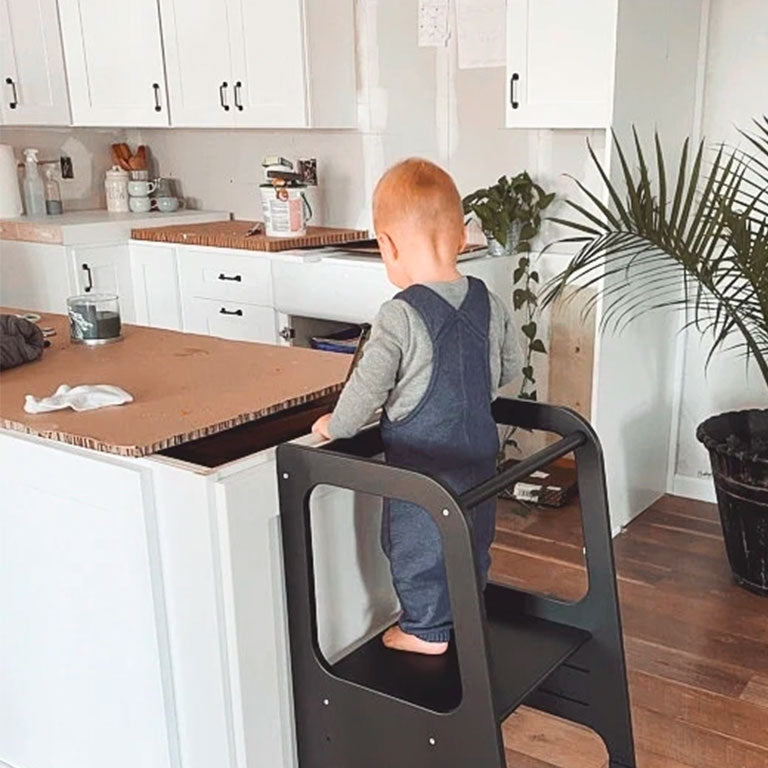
(286, 211)
(141, 188)
(168, 204)
(140, 204)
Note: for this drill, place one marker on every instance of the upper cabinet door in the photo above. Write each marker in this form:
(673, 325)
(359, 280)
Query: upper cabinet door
(32, 79)
(560, 63)
(268, 63)
(115, 62)
(198, 62)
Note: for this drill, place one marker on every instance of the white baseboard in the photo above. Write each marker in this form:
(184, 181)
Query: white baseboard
(699, 488)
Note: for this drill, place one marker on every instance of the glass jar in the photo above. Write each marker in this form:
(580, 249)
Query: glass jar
(94, 318)
(116, 187)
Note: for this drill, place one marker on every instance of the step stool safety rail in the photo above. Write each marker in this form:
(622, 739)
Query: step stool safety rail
(377, 708)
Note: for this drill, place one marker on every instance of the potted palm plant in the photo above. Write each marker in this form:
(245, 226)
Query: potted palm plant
(697, 242)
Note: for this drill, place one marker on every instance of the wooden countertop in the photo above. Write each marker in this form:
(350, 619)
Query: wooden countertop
(233, 234)
(184, 386)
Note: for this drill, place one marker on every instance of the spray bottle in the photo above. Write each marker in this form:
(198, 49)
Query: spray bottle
(34, 190)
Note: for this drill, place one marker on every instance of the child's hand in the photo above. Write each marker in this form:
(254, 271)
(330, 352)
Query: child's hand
(320, 427)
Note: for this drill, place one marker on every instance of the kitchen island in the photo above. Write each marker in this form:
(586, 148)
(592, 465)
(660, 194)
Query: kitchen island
(141, 579)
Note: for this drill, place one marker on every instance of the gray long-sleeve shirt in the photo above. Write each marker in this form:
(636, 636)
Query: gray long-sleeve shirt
(396, 365)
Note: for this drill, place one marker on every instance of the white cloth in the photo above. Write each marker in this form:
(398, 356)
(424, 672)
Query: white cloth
(86, 397)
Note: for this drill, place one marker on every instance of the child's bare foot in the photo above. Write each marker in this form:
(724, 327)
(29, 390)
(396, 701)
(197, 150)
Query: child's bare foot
(398, 640)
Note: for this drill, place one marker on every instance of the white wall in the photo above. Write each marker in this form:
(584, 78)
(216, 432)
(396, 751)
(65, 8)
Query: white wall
(735, 93)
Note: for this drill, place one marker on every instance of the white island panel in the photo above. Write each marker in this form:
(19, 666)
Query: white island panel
(80, 650)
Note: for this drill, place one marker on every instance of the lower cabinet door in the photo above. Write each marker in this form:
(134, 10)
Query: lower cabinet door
(230, 320)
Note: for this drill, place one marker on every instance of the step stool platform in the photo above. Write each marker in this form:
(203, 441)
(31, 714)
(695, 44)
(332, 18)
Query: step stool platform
(523, 649)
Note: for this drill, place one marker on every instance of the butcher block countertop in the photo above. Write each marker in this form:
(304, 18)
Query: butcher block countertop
(184, 387)
(233, 234)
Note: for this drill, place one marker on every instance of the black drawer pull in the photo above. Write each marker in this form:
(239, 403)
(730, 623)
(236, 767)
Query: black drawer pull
(222, 96)
(236, 278)
(156, 89)
(14, 102)
(88, 288)
(225, 311)
(512, 88)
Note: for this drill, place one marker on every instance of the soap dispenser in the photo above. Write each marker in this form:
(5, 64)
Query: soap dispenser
(34, 190)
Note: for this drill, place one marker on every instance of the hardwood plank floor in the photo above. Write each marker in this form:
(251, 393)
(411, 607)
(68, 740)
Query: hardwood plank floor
(696, 644)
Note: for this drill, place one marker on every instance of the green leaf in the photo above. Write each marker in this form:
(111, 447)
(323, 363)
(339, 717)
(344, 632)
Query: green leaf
(528, 372)
(529, 329)
(534, 276)
(518, 298)
(537, 345)
(518, 274)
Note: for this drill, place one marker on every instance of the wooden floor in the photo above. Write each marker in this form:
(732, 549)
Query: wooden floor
(696, 645)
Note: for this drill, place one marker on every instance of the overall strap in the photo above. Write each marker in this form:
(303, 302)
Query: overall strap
(434, 310)
(476, 307)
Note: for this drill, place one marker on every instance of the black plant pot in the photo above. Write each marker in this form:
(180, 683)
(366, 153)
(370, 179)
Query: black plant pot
(738, 449)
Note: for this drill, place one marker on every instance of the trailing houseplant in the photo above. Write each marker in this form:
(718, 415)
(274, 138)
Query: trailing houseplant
(697, 242)
(510, 213)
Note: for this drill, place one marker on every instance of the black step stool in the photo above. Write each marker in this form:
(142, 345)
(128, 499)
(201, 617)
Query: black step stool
(378, 708)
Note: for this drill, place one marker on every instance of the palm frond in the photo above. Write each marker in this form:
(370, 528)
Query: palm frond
(706, 251)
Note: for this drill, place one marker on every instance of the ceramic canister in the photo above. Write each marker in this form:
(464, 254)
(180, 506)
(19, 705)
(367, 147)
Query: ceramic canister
(116, 187)
(286, 210)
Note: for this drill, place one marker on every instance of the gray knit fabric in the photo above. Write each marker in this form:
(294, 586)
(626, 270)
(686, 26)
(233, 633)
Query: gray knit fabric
(396, 365)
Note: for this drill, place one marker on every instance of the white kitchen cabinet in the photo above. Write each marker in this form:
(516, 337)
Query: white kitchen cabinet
(227, 274)
(200, 84)
(229, 320)
(114, 58)
(267, 63)
(34, 86)
(104, 269)
(272, 88)
(34, 276)
(560, 63)
(155, 286)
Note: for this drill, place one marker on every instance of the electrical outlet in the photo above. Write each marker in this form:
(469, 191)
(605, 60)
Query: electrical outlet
(67, 171)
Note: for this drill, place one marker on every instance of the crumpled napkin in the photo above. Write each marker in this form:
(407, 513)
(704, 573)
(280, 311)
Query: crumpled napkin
(86, 397)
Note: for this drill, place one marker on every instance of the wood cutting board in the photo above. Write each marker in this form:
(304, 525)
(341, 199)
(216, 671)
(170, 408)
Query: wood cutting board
(232, 234)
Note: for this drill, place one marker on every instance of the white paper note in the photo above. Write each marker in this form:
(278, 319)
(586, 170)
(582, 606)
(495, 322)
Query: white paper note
(433, 23)
(482, 34)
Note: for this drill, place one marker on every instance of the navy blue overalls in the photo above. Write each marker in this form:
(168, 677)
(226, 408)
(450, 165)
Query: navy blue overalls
(452, 435)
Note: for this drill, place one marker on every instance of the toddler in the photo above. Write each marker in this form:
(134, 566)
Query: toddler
(437, 354)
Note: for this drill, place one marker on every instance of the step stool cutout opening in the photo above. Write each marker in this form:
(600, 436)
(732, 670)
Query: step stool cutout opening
(355, 603)
(542, 551)
(354, 598)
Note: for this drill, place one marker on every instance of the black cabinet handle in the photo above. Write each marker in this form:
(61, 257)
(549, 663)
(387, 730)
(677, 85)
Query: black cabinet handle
(88, 288)
(225, 311)
(238, 103)
(156, 89)
(222, 97)
(236, 278)
(512, 88)
(15, 102)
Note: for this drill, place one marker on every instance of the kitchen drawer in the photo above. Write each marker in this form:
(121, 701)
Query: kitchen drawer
(229, 320)
(215, 274)
(331, 289)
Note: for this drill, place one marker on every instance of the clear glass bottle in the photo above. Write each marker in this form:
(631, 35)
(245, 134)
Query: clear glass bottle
(53, 206)
(34, 193)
